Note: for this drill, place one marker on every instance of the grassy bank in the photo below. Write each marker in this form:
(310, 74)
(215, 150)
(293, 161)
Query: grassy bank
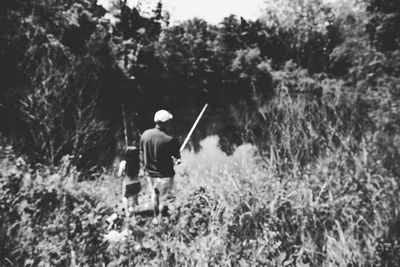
(341, 210)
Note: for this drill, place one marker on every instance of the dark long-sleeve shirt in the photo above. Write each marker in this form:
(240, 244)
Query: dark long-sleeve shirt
(158, 148)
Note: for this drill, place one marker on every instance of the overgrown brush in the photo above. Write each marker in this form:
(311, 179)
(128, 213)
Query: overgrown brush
(46, 219)
(340, 210)
(337, 211)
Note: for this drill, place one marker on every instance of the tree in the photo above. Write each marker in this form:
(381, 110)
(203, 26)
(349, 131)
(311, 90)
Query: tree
(304, 31)
(384, 24)
(53, 103)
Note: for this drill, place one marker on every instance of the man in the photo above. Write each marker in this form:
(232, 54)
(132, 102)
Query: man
(159, 151)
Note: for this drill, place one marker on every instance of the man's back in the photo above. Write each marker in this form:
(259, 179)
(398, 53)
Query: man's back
(158, 148)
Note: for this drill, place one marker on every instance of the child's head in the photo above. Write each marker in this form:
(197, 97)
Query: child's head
(132, 161)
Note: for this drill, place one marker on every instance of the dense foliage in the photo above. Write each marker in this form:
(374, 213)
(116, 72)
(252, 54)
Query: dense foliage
(313, 87)
(70, 66)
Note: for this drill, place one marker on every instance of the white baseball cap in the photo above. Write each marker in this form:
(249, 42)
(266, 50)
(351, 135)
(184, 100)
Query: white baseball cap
(162, 116)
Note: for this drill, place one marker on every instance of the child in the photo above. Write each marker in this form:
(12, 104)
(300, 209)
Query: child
(129, 168)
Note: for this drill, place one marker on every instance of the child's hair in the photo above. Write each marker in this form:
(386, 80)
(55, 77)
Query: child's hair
(132, 161)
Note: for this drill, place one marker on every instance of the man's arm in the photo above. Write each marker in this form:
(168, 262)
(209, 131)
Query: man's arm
(176, 155)
(175, 148)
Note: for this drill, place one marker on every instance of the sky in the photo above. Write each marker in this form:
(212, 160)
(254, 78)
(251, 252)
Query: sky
(213, 11)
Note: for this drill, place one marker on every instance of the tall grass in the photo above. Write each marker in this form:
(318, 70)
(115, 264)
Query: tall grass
(335, 212)
(229, 210)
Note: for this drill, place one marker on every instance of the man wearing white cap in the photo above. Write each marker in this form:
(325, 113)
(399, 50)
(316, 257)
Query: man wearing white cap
(159, 149)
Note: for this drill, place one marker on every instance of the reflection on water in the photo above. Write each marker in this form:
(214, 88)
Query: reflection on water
(210, 154)
(211, 168)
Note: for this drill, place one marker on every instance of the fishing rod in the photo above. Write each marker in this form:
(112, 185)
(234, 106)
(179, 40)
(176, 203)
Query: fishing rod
(125, 125)
(193, 127)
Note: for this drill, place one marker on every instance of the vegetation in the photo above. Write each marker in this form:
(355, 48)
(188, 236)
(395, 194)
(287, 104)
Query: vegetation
(305, 103)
